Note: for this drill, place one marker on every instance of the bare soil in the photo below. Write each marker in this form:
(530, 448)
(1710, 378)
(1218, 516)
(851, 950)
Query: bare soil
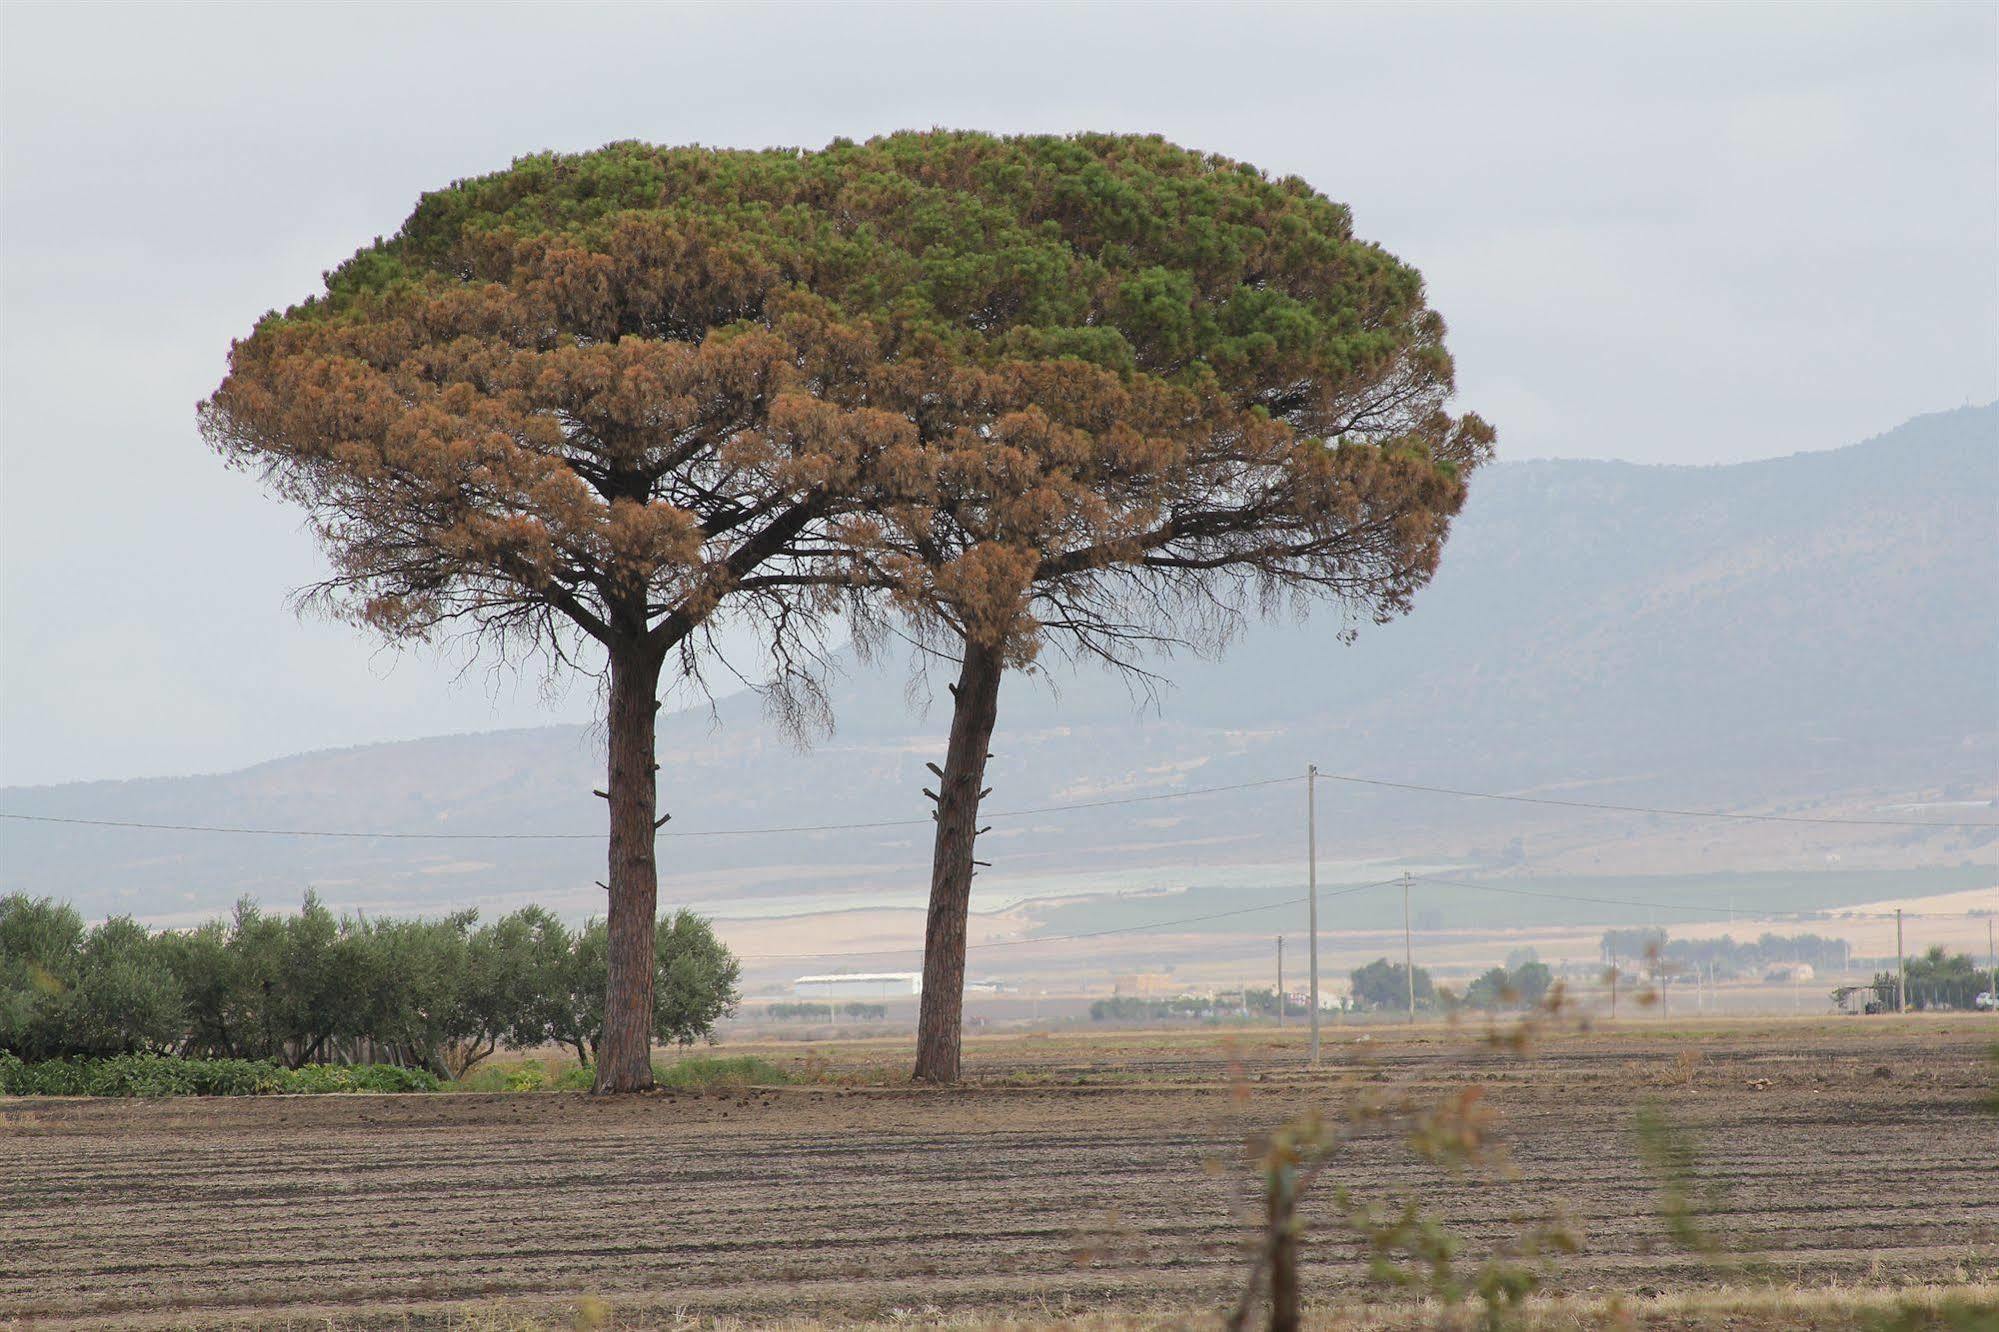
(1069, 1175)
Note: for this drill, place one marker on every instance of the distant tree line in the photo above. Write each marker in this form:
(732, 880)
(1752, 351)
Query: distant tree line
(1725, 958)
(1385, 984)
(1938, 979)
(439, 994)
(819, 1010)
(1132, 1008)
(1251, 1002)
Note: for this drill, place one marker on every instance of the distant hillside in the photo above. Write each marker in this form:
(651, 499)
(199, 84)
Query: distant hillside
(1818, 628)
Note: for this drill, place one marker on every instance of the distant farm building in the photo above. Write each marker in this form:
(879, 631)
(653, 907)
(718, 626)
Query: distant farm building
(859, 985)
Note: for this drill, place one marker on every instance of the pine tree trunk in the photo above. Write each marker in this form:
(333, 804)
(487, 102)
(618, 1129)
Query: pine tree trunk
(624, 1054)
(940, 1024)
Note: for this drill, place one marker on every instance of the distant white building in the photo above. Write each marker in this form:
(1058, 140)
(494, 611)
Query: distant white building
(859, 985)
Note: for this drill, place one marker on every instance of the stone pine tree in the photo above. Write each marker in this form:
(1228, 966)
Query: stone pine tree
(596, 406)
(1248, 407)
(576, 410)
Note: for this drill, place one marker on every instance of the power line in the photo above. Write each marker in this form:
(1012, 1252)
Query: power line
(304, 832)
(1013, 813)
(1651, 809)
(1710, 909)
(1141, 800)
(1340, 893)
(598, 837)
(1070, 938)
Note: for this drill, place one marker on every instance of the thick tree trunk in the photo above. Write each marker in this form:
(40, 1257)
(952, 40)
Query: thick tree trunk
(940, 1024)
(624, 1054)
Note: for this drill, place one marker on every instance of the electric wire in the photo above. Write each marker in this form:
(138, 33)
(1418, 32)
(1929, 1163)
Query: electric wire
(1709, 909)
(598, 836)
(1019, 813)
(1086, 934)
(1653, 809)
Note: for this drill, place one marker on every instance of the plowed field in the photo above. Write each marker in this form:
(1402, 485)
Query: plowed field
(1068, 1174)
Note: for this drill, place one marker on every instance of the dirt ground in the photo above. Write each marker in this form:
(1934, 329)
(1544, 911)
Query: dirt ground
(1070, 1176)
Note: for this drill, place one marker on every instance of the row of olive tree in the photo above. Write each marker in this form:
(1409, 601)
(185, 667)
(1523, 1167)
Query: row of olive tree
(1938, 978)
(1093, 393)
(439, 993)
(1725, 957)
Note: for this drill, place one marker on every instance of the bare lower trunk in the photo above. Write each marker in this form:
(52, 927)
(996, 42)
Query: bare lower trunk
(624, 1053)
(940, 1025)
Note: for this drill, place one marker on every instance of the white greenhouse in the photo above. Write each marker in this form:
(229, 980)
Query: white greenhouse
(859, 985)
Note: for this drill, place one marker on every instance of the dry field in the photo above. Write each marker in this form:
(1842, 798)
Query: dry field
(1072, 1177)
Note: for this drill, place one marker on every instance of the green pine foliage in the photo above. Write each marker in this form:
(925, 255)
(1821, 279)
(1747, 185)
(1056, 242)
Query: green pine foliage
(1123, 250)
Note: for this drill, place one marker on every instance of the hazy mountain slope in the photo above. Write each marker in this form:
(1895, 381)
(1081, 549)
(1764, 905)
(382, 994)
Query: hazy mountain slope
(1823, 625)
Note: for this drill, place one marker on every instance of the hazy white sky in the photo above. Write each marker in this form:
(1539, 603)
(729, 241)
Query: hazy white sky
(1688, 235)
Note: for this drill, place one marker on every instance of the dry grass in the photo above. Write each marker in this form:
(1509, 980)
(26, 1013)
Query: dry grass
(1969, 1307)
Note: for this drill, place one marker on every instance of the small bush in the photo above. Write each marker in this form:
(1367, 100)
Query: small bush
(527, 1078)
(705, 1071)
(685, 1074)
(356, 1078)
(529, 1075)
(575, 1078)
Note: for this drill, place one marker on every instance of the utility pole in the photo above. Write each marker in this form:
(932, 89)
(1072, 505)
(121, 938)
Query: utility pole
(1280, 982)
(1408, 954)
(1312, 888)
(1901, 968)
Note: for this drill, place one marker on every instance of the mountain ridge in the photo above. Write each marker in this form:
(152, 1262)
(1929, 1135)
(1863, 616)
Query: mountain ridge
(1823, 626)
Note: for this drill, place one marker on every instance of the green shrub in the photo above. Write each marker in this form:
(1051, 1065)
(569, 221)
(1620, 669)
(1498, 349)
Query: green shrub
(153, 1075)
(687, 1074)
(707, 1071)
(138, 1075)
(491, 1078)
(528, 1077)
(575, 1078)
(357, 1078)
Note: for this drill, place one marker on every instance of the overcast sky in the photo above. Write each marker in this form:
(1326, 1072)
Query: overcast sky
(1693, 235)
